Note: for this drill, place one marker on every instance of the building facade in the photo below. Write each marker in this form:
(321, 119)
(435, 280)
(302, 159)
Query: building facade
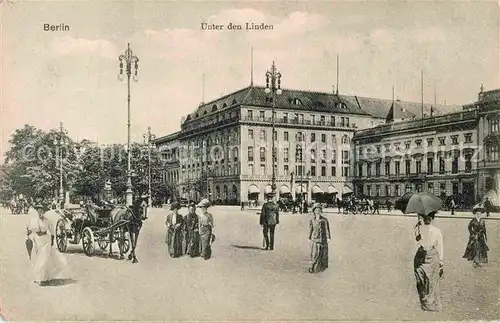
(225, 146)
(169, 149)
(488, 164)
(437, 154)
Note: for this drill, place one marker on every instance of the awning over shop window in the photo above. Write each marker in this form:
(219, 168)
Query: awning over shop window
(284, 189)
(298, 189)
(253, 189)
(317, 190)
(332, 190)
(268, 189)
(346, 190)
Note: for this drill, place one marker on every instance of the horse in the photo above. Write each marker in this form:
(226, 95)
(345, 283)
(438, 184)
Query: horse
(133, 217)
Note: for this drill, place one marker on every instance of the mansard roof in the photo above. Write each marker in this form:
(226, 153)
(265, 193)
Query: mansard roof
(321, 102)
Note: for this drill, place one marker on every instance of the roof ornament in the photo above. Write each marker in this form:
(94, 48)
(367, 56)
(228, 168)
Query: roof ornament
(482, 88)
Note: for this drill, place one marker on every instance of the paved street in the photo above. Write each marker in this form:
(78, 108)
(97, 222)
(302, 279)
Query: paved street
(370, 275)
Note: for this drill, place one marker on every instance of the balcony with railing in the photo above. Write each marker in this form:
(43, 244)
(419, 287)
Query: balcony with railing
(419, 123)
(305, 122)
(418, 176)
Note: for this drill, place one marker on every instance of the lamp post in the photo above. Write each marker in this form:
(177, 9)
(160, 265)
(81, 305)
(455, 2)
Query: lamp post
(148, 138)
(128, 58)
(59, 142)
(273, 85)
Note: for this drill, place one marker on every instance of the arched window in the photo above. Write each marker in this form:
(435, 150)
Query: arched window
(235, 191)
(214, 108)
(235, 154)
(217, 192)
(225, 192)
(345, 140)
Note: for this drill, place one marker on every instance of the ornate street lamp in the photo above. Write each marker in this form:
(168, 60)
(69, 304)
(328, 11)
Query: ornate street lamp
(59, 142)
(128, 58)
(148, 139)
(273, 85)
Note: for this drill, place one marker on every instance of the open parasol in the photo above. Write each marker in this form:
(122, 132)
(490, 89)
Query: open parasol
(420, 203)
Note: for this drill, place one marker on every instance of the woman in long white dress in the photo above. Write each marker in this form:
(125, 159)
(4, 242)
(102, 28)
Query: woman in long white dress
(48, 263)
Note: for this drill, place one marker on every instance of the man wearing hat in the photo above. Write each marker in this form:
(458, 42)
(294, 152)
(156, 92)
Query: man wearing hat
(269, 218)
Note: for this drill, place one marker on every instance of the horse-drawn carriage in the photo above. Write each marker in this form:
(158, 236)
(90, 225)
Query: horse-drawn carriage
(91, 226)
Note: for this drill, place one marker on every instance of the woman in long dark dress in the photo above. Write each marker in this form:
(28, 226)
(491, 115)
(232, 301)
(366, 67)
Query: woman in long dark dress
(428, 263)
(319, 237)
(192, 232)
(477, 249)
(206, 230)
(175, 231)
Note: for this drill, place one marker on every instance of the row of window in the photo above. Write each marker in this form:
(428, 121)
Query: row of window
(494, 125)
(418, 166)
(299, 136)
(493, 153)
(299, 156)
(301, 171)
(299, 117)
(418, 143)
(399, 190)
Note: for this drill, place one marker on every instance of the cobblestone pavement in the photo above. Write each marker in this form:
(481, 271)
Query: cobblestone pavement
(370, 275)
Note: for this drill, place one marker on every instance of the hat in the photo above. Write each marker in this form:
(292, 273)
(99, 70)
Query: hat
(478, 208)
(175, 206)
(38, 206)
(317, 206)
(204, 203)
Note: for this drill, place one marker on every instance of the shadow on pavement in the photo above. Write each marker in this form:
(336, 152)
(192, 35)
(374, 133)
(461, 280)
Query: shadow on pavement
(58, 282)
(98, 254)
(246, 247)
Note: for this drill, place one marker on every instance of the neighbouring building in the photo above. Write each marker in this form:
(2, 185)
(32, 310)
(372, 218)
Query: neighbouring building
(434, 153)
(169, 149)
(488, 140)
(224, 146)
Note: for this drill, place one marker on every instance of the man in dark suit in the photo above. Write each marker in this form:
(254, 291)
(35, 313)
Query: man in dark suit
(269, 218)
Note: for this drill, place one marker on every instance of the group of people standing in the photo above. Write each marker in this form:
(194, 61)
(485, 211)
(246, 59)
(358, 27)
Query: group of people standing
(429, 258)
(191, 234)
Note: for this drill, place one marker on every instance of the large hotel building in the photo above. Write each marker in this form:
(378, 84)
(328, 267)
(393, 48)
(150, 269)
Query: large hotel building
(224, 147)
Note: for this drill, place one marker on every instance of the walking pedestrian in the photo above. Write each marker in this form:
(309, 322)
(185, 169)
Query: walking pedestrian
(487, 206)
(48, 263)
(319, 237)
(242, 206)
(175, 228)
(269, 218)
(428, 263)
(477, 249)
(453, 206)
(192, 232)
(207, 237)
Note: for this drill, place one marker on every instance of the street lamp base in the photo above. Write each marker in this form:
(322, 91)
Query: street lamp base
(128, 195)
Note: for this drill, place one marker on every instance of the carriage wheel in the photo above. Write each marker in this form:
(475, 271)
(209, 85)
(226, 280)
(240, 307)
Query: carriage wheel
(103, 244)
(61, 237)
(88, 242)
(124, 243)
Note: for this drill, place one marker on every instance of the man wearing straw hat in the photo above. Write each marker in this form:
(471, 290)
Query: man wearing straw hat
(269, 218)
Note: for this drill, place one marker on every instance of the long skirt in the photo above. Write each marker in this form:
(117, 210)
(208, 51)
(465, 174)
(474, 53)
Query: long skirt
(206, 242)
(48, 262)
(319, 257)
(193, 243)
(174, 242)
(476, 250)
(426, 267)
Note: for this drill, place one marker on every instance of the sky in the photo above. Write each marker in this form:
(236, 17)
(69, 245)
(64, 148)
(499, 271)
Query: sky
(71, 77)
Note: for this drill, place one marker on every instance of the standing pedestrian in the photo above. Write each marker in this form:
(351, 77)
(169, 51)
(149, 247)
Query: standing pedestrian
(269, 218)
(48, 263)
(192, 232)
(453, 205)
(206, 229)
(487, 206)
(319, 237)
(477, 249)
(175, 228)
(242, 206)
(428, 263)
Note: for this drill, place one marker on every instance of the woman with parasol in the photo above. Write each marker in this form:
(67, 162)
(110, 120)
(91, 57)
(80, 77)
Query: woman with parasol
(477, 249)
(428, 261)
(48, 262)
